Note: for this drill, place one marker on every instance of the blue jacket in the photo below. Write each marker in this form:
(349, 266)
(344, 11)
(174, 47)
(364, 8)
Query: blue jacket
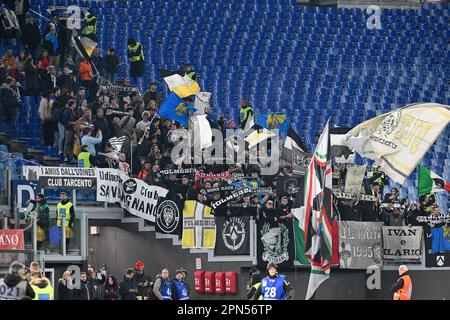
(53, 39)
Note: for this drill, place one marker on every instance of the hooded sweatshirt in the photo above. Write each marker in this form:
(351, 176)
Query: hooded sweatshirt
(13, 280)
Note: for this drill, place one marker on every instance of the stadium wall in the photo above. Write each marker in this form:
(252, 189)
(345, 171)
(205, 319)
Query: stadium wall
(120, 247)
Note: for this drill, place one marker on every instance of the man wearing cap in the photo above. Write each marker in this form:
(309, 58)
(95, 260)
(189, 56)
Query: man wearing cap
(65, 208)
(142, 280)
(275, 286)
(178, 287)
(152, 94)
(403, 287)
(188, 71)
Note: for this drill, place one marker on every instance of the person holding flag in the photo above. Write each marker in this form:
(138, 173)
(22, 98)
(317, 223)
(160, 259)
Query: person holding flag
(275, 286)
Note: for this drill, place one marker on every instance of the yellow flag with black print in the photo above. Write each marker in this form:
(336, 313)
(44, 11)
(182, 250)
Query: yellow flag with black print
(199, 226)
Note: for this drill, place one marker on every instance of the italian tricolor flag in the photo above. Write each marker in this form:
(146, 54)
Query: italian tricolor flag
(430, 182)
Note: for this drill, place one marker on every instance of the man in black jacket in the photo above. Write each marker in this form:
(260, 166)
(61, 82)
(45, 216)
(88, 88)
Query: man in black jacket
(142, 280)
(83, 292)
(94, 283)
(8, 100)
(128, 286)
(48, 79)
(68, 120)
(31, 36)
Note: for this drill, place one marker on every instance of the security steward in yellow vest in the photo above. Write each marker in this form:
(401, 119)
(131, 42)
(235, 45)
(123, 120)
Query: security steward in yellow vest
(65, 207)
(41, 287)
(253, 286)
(136, 57)
(245, 112)
(84, 158)
(90, 23)
(190, 72)
(403, 287)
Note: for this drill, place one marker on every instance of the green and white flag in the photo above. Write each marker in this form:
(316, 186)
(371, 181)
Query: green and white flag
(299, 235)
(430, 182)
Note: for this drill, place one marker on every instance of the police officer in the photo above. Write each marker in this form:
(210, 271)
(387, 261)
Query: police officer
(178, 287)
(161, 289)
(143, 281)
(245, 112)
(90, 26)
(188, 71)
(136, 57)
(65, 207)
(403, 287)
(14, 286)
(275, 286)
(41, 287)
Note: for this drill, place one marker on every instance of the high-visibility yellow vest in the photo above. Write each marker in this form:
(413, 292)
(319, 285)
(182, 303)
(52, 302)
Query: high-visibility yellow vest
(83, 160)
(135, 48)
(191, 74)
(63, 208)
(243, 113)
(90, 28)
(256, 286)
(43, 293)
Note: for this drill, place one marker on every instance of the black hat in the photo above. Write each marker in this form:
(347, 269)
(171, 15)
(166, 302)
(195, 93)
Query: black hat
(154, 83)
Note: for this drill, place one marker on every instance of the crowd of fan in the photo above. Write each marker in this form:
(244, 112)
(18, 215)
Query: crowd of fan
(79, 117)
(94, 284)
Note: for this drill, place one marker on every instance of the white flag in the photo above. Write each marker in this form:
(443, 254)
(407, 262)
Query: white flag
(399, 139)
(202, 131)
(201, 102)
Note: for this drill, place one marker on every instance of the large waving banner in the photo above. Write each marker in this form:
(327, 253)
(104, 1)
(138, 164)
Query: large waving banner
(399, 139)
(402, 243)
(360, 244)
